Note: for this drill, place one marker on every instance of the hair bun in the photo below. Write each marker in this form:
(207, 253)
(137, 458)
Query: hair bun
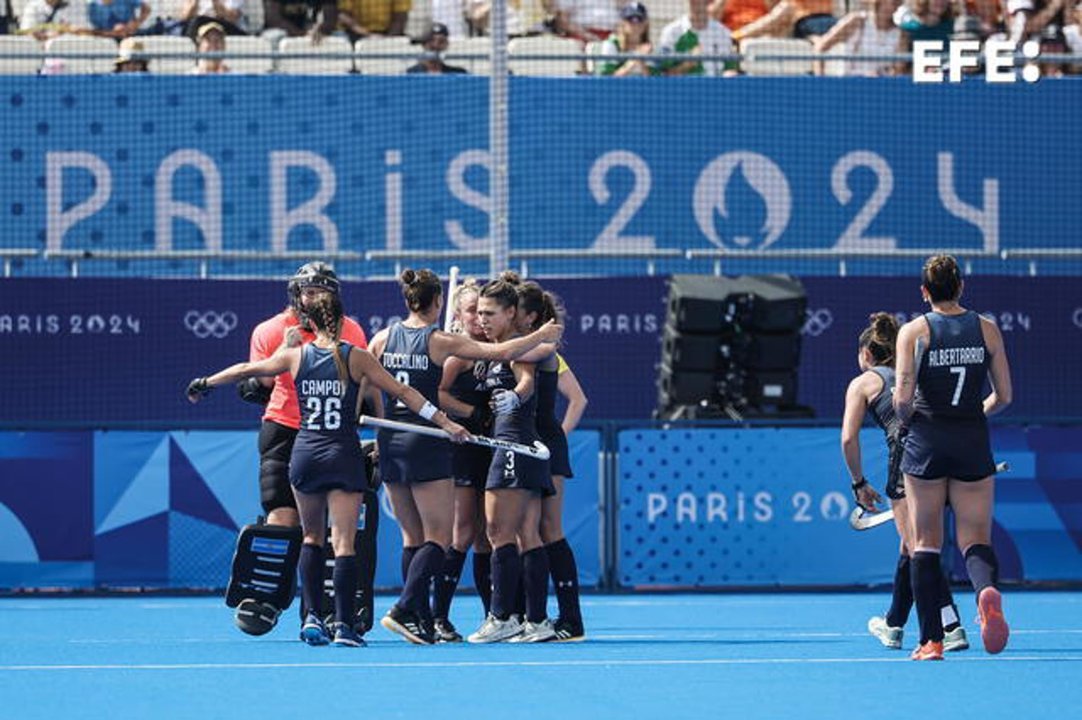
(510, 276)
(408, 276)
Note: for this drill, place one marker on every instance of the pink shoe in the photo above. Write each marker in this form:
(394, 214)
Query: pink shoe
(994, 630)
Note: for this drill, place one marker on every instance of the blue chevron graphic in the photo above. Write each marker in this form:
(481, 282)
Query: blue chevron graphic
(189, 494)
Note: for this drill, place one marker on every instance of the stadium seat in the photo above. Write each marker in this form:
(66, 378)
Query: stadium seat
(776, 46)
(337, 50)
(835, 68)
(57, 47)
(384, 46)
(249, 44)
(593, 52)
(471, 46)
(173, 45)
(521, 48)
(27, 48)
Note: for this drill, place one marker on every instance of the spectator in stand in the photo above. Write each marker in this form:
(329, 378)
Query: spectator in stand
(361, 18)
(314, 18)
(1042, 21)
(210, 39)
(695, 33)
(923, 20)
(808, 19)
(130, 59)
(1073, 32)
(632, 36)
(868, 31)
(435, 43)
(117, 18)
(735, 14)
(587, 20)
(45, 19)
(524, 17)
(227, 14)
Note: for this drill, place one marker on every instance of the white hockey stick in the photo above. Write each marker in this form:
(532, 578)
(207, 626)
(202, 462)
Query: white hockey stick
(861, 519)
(538, 450)
(449, 307)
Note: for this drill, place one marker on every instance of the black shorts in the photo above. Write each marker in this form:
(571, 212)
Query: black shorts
(406, 457)
(275, 448)
(948, 448)
(559, 455)
(469, 465)
(519, 472)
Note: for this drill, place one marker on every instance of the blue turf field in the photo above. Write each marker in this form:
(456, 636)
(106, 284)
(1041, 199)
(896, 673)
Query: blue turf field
(648, 656)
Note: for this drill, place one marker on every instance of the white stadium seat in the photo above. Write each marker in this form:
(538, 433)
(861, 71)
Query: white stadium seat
(249, 44)
(329, 65)
(29, 51)
(776, 46)
(519, 48)
(75, 44)
(172, 45)
(384, 46)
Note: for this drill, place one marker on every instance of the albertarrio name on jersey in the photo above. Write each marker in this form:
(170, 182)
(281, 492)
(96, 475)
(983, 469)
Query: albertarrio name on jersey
(405, 361)
(325, 388)
(943, 357)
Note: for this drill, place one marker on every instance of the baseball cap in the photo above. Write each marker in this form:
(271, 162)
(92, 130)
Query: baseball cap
(130, 51)
(436, 28)
(635, 10)
(209, 28)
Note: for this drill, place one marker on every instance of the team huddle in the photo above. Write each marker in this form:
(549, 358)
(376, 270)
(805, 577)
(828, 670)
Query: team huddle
(494, 378)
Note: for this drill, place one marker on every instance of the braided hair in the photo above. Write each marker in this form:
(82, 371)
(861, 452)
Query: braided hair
(326, 314)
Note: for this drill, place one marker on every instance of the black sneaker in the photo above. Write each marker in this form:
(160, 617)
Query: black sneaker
(568, 631)
(445, 631)
(345, 636)
(362, 621)
(409, 625)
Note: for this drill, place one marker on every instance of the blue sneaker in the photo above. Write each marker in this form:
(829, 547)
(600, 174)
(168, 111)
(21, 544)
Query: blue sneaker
(313, 631)
(346, 636)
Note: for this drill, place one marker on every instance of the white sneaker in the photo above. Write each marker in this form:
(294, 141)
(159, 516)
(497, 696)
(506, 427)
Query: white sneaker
(535, 632)
(890, 636)
(955, 640)
(494, 630)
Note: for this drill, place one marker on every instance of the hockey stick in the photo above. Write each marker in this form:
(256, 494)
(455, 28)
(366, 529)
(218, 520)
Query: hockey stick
(449, 309)
(538, 450)
(861, 519)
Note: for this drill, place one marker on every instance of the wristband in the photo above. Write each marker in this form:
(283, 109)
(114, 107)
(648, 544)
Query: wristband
(428, 410)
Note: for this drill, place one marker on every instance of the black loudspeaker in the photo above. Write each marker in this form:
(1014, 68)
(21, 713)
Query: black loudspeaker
(731, 344)
(762, 352)
(700, 304)
(686, 387)
(684, 351)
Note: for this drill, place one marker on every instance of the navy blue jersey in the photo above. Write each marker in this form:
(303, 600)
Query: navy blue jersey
(953, 369)
(549, 428)
(507, 469)
(327, 408)
(469, 387)
(405, 356)
(406, 457)
(882, 405)
(326, 454)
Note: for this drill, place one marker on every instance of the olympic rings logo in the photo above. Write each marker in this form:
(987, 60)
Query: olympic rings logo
(817, 322)
(210, 323)
(1076, 318)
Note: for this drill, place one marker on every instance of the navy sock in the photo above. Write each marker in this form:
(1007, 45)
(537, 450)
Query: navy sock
(982, 566)
(901, 600)
(482, 578)
(446, 582)
(926, 574)
(407, 559)
(345, 588)
(506, 570)
(535, 575)
(518, 607)
(426, 562)
(311, 570)
(565, 578)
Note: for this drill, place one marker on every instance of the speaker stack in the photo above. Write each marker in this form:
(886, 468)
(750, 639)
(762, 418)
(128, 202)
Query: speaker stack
(731, 347)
